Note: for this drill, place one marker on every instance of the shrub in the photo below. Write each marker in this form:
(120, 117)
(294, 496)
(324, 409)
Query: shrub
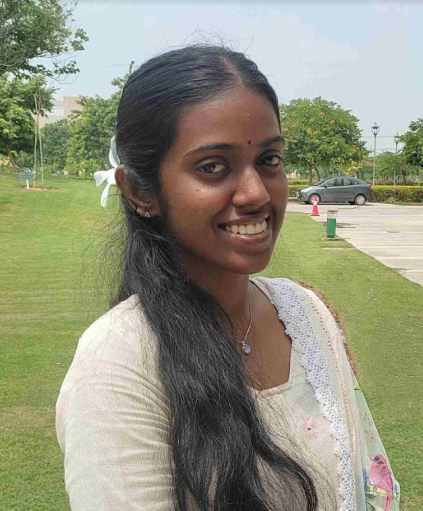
(293, 189)
(397, 193)
(302, 182)
(83, 169)
(51, 169)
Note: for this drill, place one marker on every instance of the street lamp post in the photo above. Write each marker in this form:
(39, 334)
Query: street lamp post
(375, 131)
(396, 140)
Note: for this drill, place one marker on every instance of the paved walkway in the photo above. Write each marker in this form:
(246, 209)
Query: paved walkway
(391, 234)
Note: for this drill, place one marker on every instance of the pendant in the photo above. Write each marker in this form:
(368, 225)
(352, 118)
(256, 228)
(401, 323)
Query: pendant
(246, 348)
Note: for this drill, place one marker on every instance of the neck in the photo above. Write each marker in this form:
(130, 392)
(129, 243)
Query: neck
(230, 290)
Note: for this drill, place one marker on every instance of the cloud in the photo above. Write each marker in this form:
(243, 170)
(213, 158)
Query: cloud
(384, 7)
(289, 51)
(149, 22)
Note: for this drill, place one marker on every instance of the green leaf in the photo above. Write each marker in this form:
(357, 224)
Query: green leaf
(38, 29)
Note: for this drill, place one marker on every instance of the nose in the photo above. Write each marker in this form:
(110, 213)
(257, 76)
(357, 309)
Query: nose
(250, 189)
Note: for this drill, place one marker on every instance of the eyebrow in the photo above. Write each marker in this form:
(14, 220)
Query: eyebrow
(223, 146)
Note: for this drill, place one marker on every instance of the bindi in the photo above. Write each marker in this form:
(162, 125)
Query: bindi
(249, 142)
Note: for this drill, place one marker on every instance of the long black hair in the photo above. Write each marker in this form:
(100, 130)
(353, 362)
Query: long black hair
(221, 449)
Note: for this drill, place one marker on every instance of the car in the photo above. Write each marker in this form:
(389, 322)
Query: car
(337, 189)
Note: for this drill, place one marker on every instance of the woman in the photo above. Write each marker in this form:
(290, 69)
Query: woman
(205, 389)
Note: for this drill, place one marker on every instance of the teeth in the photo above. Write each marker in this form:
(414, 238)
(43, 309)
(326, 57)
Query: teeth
(247, 228)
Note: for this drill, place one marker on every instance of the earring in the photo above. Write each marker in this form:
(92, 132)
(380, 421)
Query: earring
(146, 214)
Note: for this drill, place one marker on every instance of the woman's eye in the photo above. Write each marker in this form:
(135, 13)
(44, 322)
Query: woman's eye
(212, 168)
(271, 160)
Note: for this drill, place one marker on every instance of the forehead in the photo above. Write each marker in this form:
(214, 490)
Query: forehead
(237, 116)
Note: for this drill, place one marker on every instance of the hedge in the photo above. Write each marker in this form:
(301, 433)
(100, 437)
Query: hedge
(302, 182)
(293, 189)
(397, 193)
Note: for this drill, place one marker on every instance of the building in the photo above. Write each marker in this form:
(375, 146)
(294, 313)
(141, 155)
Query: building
(62, 109)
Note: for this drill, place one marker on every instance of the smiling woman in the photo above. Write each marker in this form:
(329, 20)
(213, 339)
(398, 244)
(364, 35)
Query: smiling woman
(203, 389)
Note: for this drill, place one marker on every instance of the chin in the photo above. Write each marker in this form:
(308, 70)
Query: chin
(250, 267)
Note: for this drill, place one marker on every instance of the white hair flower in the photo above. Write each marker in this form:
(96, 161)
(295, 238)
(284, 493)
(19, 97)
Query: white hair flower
(108, 176)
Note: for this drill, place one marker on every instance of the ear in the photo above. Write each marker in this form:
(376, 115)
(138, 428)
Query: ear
(140, 203)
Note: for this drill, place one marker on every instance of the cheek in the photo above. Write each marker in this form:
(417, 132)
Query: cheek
(279, 192)
(192, 207)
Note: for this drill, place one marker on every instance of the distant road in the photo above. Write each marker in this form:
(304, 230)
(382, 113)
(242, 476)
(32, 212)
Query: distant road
(391, 234)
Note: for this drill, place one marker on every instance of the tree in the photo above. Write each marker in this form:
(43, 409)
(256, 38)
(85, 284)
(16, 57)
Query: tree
(413, 144)
(17, 104)
(320, 133)
(55, 137)
(38, 29)
(90, 133)
(388, 164)
(91, 130)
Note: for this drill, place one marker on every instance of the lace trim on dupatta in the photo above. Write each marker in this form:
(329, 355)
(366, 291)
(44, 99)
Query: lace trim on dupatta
(304, 326)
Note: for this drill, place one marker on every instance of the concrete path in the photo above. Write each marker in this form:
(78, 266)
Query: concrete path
(391, 234)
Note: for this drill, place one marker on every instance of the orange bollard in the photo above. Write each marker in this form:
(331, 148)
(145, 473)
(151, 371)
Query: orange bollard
(315, 211)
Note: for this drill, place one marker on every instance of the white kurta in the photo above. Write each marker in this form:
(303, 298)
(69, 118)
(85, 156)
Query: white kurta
(113, 417)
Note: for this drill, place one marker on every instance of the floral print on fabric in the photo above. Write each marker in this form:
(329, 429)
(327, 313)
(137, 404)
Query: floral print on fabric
(382, 491)
(310, 427)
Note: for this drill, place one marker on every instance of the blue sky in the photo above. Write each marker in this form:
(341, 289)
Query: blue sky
(366, 56)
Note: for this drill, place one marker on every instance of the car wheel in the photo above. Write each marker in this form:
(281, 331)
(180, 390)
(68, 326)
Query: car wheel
(360, 200)
(311, 198)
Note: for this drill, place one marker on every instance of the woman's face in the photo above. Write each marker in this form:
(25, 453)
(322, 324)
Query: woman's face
(224, 184)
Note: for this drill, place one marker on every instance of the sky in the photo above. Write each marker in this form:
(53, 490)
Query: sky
(365, 56)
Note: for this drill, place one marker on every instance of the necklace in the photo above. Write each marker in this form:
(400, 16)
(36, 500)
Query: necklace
(246, 348)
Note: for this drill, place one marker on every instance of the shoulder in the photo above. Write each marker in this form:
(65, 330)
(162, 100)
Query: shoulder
(120, 319)
(281, 287)
(123, 328)
(297, 303)
(118, 350)
(279, 283)
(113, 418)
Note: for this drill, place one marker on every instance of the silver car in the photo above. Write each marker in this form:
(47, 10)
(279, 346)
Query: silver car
(337, 189)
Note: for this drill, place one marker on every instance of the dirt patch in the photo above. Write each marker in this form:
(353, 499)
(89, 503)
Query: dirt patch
(36, 189)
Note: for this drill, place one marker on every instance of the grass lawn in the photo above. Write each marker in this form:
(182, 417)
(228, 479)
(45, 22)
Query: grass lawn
(48, 247)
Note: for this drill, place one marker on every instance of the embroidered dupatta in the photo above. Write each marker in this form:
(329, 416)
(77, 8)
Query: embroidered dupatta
(366, 479)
